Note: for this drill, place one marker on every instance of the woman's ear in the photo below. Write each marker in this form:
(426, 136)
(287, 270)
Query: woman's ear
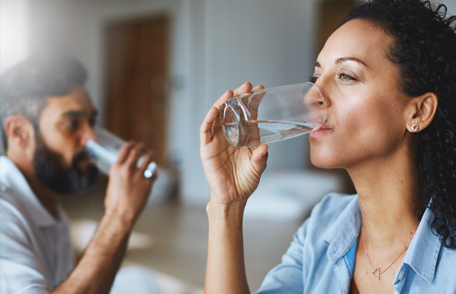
(19, 131)
(422, 112)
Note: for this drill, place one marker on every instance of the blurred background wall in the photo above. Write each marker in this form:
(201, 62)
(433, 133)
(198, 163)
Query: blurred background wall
(196, 49)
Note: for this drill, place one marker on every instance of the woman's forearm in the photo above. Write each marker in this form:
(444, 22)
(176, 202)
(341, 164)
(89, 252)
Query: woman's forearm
(225, 272)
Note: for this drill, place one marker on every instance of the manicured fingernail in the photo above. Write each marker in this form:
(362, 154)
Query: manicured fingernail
(266, 153)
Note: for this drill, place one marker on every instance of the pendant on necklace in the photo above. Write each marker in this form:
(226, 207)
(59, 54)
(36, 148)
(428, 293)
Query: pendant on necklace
(377, 271)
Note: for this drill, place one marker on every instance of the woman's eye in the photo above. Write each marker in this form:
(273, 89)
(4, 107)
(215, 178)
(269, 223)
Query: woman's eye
(346, 77)
(313, 79)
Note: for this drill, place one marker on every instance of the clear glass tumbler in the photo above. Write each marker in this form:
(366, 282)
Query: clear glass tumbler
(106, 149)
(272, 115)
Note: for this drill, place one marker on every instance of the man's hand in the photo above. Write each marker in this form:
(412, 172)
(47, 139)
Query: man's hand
(126, 197)
(128, 189)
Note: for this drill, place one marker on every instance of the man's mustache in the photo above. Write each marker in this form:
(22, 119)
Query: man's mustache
(83, 155)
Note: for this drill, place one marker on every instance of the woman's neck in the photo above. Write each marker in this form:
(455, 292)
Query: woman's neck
(387, 192)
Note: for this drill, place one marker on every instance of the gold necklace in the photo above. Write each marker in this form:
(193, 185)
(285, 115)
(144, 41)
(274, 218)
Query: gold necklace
(377, 270)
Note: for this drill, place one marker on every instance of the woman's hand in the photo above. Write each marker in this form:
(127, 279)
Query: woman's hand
(233, 174)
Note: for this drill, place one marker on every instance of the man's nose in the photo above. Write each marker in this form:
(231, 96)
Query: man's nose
(88, 134)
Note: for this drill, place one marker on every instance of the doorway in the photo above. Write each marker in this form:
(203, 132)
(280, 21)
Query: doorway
(331, 15)
(136, 81)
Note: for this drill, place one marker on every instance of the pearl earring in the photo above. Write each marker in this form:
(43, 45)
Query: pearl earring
(415, 128)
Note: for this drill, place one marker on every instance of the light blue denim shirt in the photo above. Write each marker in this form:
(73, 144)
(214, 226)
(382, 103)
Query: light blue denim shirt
(321, 257)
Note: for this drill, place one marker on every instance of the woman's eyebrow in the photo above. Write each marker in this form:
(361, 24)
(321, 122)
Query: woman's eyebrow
(342, 59)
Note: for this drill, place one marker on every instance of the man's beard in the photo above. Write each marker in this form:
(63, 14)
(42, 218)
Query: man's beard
(52, 171)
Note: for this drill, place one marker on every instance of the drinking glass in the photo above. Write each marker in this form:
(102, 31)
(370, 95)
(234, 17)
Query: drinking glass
(106, 149)
(272, 115)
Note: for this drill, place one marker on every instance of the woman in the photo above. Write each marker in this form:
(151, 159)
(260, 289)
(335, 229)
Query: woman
(388, 76)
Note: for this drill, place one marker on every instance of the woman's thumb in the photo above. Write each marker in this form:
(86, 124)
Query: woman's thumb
(260, 157)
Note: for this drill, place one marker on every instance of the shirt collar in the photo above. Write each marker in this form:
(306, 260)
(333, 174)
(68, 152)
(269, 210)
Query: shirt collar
(421, 256)
(423, 251)
(344, 232)
(13, 181)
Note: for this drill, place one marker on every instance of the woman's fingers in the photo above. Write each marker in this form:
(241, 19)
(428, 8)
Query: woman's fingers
(244, 88)
(258, 87)
(206, 127)
(210, 123)
(260, 157)
(227, 95)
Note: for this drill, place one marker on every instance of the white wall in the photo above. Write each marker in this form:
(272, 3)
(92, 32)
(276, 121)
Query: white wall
(14, 32)
(14, 35)
(451, 4)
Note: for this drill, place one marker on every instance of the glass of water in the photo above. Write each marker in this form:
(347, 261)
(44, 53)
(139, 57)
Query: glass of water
(272, 115)
(106, 149)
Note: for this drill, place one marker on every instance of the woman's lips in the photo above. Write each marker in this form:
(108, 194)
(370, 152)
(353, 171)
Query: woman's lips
(320, 131)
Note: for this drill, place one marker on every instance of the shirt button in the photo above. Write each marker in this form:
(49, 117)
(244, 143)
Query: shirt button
(400, 276)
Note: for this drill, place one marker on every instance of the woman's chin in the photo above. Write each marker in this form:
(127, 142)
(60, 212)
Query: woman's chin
(321, 161)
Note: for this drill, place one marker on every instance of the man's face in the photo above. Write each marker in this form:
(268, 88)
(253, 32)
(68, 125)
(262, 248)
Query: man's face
(65, 126)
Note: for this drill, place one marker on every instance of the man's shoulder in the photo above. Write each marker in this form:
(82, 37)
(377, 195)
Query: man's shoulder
(15, 233)
(9, 202)
(11, 213)
(18, 199)
(14, 212)
(8, 188)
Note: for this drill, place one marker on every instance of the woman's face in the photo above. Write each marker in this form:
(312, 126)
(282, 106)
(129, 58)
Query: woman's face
(366, 112)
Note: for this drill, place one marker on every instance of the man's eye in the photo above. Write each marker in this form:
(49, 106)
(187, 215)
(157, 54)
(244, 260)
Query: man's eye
(346, 77)
(72, 124)
(93, 122)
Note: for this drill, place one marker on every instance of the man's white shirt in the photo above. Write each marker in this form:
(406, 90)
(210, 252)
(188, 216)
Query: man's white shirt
(36, 253)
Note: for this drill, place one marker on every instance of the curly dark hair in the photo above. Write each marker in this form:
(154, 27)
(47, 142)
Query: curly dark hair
(424, 51)
(25, 86)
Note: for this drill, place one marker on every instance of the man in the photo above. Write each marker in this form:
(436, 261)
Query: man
(47, 118)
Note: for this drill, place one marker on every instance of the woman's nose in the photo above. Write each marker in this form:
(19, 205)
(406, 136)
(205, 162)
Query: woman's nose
(323, 86)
